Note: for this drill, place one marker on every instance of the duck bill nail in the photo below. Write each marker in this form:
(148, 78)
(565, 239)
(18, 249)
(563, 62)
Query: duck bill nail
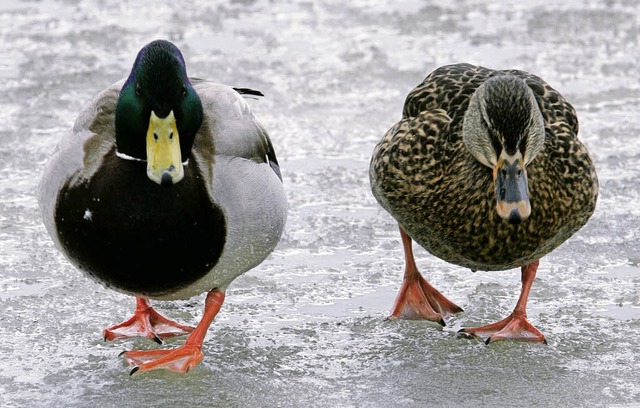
(512, 191)
(164, 159)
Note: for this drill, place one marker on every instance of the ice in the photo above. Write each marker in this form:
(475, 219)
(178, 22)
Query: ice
(308, 327)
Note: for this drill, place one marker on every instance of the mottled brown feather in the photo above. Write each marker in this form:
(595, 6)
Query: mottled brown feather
(424, 176)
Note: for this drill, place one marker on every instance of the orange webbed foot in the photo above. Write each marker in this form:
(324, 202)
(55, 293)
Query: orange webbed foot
(417, 299)
(183, 358)
(180, 359)
(146, 322)
(513, 327)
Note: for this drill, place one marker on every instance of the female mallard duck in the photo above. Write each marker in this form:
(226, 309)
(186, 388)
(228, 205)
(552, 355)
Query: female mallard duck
(485, 170)
(167, 187)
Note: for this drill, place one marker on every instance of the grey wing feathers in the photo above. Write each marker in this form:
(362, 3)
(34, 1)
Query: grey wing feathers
(268, 146)
(230, 126)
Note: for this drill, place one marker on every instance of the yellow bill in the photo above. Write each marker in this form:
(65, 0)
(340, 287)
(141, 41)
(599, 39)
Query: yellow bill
(164, 159)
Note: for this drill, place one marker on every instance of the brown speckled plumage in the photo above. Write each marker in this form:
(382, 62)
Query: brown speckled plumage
(423, 174)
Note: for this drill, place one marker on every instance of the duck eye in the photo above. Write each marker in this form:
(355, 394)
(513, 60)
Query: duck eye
(184, 91)
(138, 89)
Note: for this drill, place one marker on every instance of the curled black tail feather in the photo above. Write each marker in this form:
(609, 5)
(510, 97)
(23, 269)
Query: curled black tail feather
(248, 91)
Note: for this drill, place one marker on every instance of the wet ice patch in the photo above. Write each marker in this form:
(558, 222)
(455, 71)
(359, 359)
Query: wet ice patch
(11, 287)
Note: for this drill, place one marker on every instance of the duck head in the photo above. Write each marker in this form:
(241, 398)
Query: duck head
(503, 129)
(158, 112)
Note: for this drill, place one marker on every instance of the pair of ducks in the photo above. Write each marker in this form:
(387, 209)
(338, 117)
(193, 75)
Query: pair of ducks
(168, 187)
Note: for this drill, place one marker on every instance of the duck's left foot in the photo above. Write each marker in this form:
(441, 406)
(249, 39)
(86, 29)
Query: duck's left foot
(146, 322)
(180, 359)
(514, 327)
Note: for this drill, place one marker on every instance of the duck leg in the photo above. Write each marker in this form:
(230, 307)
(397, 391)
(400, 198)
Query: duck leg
(417, 299)
(515, 326)
(185, 357)
(146, 322)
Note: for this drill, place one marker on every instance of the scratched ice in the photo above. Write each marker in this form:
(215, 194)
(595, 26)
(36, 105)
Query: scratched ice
(307, 327)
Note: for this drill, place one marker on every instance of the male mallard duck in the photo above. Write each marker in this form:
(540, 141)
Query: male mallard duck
(485, 170)
(167, 187)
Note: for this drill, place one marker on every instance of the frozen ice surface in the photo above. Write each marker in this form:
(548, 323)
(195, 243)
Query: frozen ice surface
(307, 327)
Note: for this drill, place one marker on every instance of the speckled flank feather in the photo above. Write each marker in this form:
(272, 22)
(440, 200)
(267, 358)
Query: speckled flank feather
(422, 173)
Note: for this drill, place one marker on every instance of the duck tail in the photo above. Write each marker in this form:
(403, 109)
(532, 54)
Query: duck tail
(248, 91)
